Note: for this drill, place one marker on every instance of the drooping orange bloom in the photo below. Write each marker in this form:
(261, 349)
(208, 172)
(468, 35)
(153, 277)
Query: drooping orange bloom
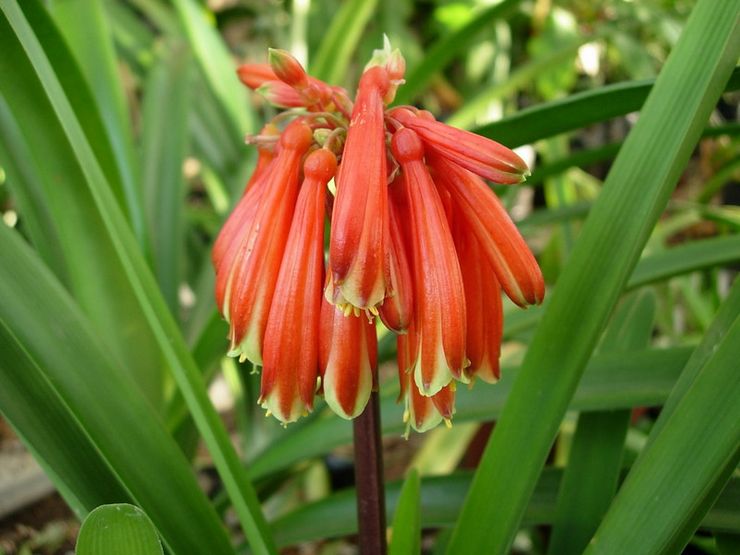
(500, 240)
(482, 156)
(417, 238)
(348, 360)
(439, 293)
(291, 345)
(250, 282)
(357, 250)
(483, 306)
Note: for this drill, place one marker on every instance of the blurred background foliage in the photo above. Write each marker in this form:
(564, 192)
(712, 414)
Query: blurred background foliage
(155, 126)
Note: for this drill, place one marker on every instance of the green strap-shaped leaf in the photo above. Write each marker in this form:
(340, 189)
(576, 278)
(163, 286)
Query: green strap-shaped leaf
(584, 158)
(84, 24)
(441, 499)
(118, 529)
(216, 63)
(83, 416)
(35, 96)
(406, 538)
(122, 260)
(692, 453)
(341, 39)
(576, 111)
(590, 479)
(163, 150)
(633, 197)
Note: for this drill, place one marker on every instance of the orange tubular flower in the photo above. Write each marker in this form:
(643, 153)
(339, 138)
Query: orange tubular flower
(422, 413)
(348, 360)
(483, 306)
(501, 243)
(291, 357)
(357, 250)
(255, 75)
(240, 219)
(482, 156)
(251, 281)
(440, 307)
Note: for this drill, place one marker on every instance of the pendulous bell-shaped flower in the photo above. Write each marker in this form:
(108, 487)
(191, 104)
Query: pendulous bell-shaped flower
(247, 287)
(291, 346)
(348, 360)
(501, 243)
(482, 156)
(396, 311)
(483, 306)
(440, 301)
(358, 262)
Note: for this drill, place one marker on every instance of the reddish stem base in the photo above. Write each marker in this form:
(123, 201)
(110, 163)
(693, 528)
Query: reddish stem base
(369, 480)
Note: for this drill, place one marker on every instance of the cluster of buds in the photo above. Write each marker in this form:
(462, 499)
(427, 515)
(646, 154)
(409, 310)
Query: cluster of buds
(417, 240)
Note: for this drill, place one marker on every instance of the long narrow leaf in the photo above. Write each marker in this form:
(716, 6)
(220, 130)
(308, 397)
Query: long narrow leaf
(635, 193)
(34, 94)
(683, 463)
(58, 364)
(216, 63)
(576, 111)
(590, 479)
(406, 539)
(441, 499)
(164, 146)
(159, 325)
(84, 23)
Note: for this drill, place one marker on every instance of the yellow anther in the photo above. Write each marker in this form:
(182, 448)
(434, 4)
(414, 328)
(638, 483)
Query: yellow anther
(448, 423)
(268, 414)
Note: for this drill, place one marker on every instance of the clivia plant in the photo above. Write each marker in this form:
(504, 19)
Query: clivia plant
(369, 271)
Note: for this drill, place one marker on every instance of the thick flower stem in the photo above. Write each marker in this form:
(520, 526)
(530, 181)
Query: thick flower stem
(369, 479)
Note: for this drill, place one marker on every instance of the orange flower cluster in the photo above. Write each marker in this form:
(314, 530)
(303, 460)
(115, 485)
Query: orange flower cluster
(417, 239)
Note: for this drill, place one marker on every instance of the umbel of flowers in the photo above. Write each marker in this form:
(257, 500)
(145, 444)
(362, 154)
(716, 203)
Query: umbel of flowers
(417, 240)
